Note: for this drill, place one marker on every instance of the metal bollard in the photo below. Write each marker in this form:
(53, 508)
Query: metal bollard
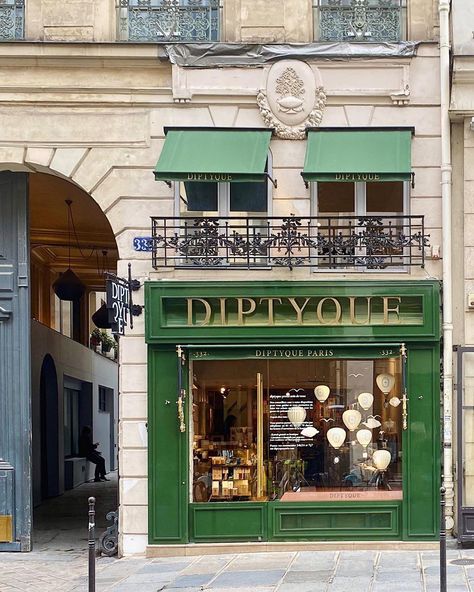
(442, 543)
(91, 544)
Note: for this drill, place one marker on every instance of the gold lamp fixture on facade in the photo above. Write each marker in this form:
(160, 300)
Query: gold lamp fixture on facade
(68, 286)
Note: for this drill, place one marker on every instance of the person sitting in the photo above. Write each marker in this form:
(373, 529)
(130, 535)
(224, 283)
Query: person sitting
(88, 449)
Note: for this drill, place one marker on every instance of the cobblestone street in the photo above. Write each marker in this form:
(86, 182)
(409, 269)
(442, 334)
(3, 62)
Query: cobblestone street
(311, 571)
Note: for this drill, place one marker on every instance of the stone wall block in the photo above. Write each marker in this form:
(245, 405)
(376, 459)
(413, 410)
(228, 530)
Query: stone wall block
(133, 406)
(427, 182)
(133, 350)
(137, 212)
(40, 158)
(66, 160)
(133, 378)
(135, 491)
(285, 207)
(133, 544)
(288, 153)
(290, 184)
(133, 462)
(12, 158)
(134, 519)
(426, 118)
(133, 434)
(100, 161)
(130, 183)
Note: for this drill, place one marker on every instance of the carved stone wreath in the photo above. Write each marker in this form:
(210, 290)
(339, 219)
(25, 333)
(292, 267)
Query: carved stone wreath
(291, 132)
(292, 98)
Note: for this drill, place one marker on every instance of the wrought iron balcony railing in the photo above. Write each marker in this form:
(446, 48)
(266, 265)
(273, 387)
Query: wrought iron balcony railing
(12, 19)
(359, 20)
(342, 242)
(169, 20)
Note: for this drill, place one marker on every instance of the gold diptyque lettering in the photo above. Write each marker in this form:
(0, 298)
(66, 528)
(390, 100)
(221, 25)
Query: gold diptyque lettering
(271, 317)
(299, 310)
(207, 309)
(222, 302)
(387, 309)
(240, 309)
(319, 312)
(352, 311)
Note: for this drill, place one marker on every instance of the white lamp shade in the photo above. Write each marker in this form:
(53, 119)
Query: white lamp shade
(364, 437)
(394, 401)
(351, 419)
(381, 459)
(296, 415)
(309, 432)
(321, 392)
(372, 423)
(385, 382)
(336, 437)
(365, 400)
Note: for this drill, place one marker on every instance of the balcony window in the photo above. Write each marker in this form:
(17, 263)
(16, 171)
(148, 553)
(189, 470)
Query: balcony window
(165, 21)
(12, 17)
(359, 20)
(361, 224)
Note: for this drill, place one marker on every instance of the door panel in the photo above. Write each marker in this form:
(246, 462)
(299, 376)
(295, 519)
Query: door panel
(15, 416)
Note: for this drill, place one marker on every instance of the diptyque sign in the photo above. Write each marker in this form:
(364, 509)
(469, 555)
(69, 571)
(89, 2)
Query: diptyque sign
(306, 311)
(118, 304)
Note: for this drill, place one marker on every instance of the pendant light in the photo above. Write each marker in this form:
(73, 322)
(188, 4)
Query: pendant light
(101, 317)
(309, 432)
(364, 437)
(296, 415)
(394, 401)
(365, 400)
(381, 459)
(68, 286)
(336, 437)
(372, 423)
(321, 392)
(385, 382)
(351, 419)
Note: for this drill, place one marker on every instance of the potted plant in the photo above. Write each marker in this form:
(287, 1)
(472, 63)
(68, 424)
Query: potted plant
(108, 343)
(95, 339)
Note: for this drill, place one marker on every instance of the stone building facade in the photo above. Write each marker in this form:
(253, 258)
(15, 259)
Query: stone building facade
(82, 102)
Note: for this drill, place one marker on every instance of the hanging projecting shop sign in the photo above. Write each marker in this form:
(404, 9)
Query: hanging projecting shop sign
(120, 307)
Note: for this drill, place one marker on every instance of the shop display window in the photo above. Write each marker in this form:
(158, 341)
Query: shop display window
(296, 430)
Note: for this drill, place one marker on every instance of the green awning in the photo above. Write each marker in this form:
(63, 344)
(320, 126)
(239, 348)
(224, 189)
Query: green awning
(358, 155)
(213, 155)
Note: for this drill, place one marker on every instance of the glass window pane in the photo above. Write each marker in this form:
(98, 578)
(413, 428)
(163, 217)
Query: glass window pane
(336, 198)
(384, 197)
(225, 430)
(198, 197)
(248, 197)
(302, 459)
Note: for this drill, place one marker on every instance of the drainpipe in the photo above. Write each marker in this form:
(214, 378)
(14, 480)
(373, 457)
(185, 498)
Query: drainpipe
(446, 170)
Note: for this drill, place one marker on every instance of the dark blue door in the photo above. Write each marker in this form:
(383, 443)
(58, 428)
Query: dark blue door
(15, 413)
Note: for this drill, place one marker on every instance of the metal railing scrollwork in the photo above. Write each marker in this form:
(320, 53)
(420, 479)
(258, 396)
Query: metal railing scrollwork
(324, 242)
(169, 20)
(12, 20)
(359, 20)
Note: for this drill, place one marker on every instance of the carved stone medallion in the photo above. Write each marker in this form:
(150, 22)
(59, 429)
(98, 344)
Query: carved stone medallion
(292, 99)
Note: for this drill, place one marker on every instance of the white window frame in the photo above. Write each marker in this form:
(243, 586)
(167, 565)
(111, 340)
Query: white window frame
(223, 198)
(360, 207)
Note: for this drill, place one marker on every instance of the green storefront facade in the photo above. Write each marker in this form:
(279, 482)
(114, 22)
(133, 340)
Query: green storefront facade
(207, 333)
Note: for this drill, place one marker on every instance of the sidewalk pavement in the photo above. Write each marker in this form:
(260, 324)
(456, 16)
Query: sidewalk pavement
(303, 571)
